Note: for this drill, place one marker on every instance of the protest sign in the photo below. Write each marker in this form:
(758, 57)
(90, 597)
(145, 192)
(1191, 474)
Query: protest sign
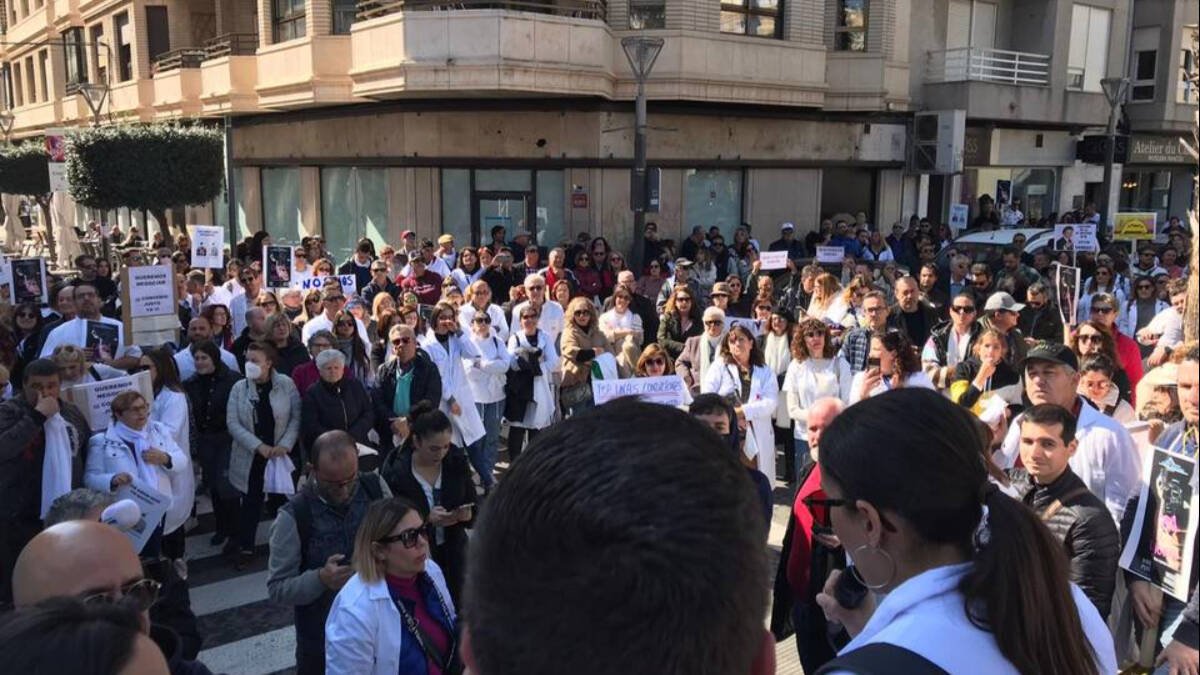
(1134, 226)
(958, 217)
(29, 281)
(752, 325)
(277, 265)
(349, 283)
(153, 505)
(1066, 290)
(104, 339)
(1075, 237)
(772, 260)
(667, 390)
(94, 399)
(149, 308)
(6, 281)
(1163, 539)
(208, 247)
(830, 254)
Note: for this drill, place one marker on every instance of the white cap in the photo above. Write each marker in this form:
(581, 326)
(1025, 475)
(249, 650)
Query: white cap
(786, 226)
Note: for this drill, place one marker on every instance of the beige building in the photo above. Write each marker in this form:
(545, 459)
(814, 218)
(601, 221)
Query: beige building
(365, 118)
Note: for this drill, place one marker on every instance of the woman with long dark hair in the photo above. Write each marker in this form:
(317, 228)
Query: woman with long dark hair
(680, 321)
(965, 578)
(1094, 338)
(208, 392)
(222, 326)
(347, 341)
(892, 363)
(742, 375)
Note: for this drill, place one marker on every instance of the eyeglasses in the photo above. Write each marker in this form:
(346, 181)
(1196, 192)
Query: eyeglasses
(963, 309)
(141, 594)
(656, 362)
(482, 319)
(337, 484)
(820, 509)
(1102, 310)
(714, 322)
(396, 342)
(1091, 338)
(581, 312)
(407, 538)
(335, 298)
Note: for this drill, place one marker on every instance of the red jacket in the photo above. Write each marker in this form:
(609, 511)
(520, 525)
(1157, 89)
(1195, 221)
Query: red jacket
(800, 557)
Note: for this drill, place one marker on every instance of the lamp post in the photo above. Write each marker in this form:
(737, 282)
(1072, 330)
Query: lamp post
(1115, 89)
(641, 53)
(95, 94)
(7, 118)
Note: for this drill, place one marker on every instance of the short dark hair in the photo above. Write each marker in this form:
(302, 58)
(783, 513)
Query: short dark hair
(65, 635)
(41, 368)
(266, 349)
(603, 530)
(1047, 414)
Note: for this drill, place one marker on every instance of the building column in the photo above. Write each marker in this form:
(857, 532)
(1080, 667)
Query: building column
(265, 34)
(310, 200)
(318, 17)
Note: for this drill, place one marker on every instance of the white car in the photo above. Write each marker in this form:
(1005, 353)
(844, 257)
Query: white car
(987, 246)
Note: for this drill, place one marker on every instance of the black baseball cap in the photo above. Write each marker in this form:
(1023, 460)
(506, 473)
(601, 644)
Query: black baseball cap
(1052, 352)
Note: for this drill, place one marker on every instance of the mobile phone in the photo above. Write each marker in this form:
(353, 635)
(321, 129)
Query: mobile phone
(821, 529)
(872, 363)
(849, 591)
(463, 507)
(344, 562)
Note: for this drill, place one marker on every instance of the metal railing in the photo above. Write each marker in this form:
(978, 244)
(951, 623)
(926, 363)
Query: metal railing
(578, 9)
(189, 57)
(231, 44)
(1000, 66)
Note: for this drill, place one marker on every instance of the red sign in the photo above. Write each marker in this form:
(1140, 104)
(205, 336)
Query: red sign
(579, 200)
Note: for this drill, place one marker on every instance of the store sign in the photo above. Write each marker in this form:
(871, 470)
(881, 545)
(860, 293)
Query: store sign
(977, 146)
(1093, 149)
(1157, 150)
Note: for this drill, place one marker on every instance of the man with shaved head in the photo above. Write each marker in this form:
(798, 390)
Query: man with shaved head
(95, 562)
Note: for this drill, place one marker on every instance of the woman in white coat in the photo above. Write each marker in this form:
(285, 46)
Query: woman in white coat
(487, 377)
(395, 588)
(741, 374)
(448, 348)
(479, 299)
(135, 448)
(534, 360)
(170, 408)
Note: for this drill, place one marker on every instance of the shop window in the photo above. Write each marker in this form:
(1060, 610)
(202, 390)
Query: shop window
(549, 215)
(282, 218)
(757, 18)
(850, 32)
(456, 204)
(353, 205)
(287, 20)
(647, 14)
(1087, 59)
(713, 197)
(1146, 191)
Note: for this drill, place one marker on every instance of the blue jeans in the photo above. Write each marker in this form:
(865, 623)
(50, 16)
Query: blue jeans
(485, 451)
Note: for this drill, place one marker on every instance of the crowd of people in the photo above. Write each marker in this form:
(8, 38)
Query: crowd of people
(954, 441)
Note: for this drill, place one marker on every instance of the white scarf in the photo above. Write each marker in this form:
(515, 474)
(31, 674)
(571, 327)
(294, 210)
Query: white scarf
(777, 352)
(56, 467)
(140, 440)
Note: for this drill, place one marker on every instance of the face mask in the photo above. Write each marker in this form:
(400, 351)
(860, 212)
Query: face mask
(253, 370)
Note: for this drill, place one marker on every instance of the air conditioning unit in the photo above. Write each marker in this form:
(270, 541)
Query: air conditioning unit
(937, 141)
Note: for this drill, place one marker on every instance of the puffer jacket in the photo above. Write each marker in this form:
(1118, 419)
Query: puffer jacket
(1084, 526)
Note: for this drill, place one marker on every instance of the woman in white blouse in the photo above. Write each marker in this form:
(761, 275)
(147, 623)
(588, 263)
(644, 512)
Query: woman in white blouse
(623, 328)
(892, 363)
(827, 302)
(741, 374)
(479, 299)
(486, 377)
(817, 371)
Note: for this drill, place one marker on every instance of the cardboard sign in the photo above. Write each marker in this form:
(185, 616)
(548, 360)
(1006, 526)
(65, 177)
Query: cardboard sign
(94, 399)
(56, 159)
(667, 390)
(772, 260)
(1075, 237)
(29, 281)
(349, 283)
(277, 265)
(1067, 289)
(6, 281)
(831, 255)
(958, 217)
(149, 308)
(1134, 226)
(208, 246)
(1163, 539)
(153, 505)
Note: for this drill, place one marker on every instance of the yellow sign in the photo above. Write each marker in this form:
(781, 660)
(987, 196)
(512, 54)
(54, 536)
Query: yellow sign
(1133, 226)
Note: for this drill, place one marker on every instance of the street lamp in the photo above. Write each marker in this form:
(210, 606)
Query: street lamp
(641, 52)
(94, 94)
(1115, 89)
(7, 118)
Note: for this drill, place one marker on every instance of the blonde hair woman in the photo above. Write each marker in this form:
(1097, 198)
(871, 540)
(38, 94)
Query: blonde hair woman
(395, 586)
(72, 362)
(582, 342)
(826, 298)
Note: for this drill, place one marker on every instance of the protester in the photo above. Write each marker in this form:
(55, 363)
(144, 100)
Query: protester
(1105, 310)
(335, 402)
(741, 375)
(623, 329)
(1002, 313)
(355, 353)
(68, 635)
(208, 395)
(856, 345)
(1097, 385)
(171, 409)
(681, 319)
(682, 278)
(78, 332)
(1165, 331)
(1094, 338)
(529, 404)
(653, 362)
(199, 329)
(951, 342)
(74, 368)
(700, 351)
(312, 538)
(986, 372)
(651, 282)
(550, 313)
(816, 372)
(406, 379)
(909, 314)
(487, 378)
(291, 351)
(1040, 319)
(448, 348)
(479, 300)
(892, 363)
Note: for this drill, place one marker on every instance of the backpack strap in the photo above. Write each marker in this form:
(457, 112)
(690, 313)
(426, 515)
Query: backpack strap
(370, 484)
(302, 513)
(880, 658)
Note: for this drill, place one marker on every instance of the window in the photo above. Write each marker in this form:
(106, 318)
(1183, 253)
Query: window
(44, 73)
(30, 81)
(1186, 87)
(549, 213)
(158, 31)
(850, 33)
(73, 58)
(344, 12)
(713, 197)
(354, 204)
(124, 34)
(282, 217)
(1146, 191)
(1144, 64)
(647, 14)
(287, 20)
(97, 53)
(17, 87)
(6, 87)
(759, 18)
(1087, 60)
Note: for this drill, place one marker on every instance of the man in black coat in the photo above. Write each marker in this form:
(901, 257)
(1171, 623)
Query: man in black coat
(409, 367)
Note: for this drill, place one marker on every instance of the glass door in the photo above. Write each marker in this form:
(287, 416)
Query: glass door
(506, 209)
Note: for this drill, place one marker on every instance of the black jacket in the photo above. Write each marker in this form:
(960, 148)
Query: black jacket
(373, 289)
(1004, 376)
(671, 337)
(345, 405)
(1084, 526)
(291, 356)
(22, 451)
(1041, 324)
(208, 397)
(426, 386)
(926, 310)
(362, 275)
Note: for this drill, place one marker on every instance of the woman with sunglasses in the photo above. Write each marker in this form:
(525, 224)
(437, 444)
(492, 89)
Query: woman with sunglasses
(1107, 310)
(654, 362)
(396, 614)
(1103, 280)
(963, 578)
(529, 403)
(1095, 338)
(432, 473)
(1140, 310)
(741, 375)
(487, 377)
(479, 301)
(680, 321)
(312, 308)
(269, 302)
(582, 342)
(27, 323)
(1097, 386)
(817, 371)
(346, 340)
(651, 282)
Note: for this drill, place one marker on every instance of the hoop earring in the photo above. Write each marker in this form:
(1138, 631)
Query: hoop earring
(856, 569)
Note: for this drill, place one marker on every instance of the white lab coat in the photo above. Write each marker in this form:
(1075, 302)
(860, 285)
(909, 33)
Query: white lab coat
(487, 379)
(171, 409)
(364, 632)
(722, 378)
(468, 427)
(551, 320)
(1106, 459)
(540, 414)
(1129, 318)
(108, 456)
(466, 314)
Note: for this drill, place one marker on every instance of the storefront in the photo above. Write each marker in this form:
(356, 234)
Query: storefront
(1158, 177)
(1015, 164)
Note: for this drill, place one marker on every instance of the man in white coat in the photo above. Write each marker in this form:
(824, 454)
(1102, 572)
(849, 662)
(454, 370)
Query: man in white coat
(75, 332)
(199, 330)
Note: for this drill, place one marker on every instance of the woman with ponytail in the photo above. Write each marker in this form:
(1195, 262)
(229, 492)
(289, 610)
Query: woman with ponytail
(964, 578)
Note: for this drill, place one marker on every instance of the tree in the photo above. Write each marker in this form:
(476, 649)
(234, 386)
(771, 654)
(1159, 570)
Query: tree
(152, 167)
(23, 171)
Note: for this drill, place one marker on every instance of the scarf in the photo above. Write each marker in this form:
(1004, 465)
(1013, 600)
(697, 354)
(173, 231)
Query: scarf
(140, 440)
(707, 348)
(56, 467)
(778, 353)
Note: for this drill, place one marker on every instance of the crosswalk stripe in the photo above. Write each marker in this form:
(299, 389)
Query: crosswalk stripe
(240, 590)
(258, 655)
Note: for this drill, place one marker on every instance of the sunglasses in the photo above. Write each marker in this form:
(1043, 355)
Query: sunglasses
(482, 319)
(140, 594)
(1145, 287)
(820, 509)
(1090, 338)
(1102, 310)
(407, 538)
(713, 322)
(267, 303)
(656, 362)
(335, 298)
(582, 312)
(378, 269)
(683, 299)
(396, 342)
(963, 309)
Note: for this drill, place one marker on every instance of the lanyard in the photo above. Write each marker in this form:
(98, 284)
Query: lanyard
(422, 638)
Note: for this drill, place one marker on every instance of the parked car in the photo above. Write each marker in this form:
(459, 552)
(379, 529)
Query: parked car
(988, 246)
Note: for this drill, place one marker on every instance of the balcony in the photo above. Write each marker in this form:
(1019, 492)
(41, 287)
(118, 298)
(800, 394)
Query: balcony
(999, 66)
(578, 9)
(179, 58)
(305, 72)
(231, 44)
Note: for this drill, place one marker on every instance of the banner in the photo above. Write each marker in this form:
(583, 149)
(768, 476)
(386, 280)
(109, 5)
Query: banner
(1075, 237)
(6, 281)
(208, 246)
(349, 283)
(153, 505)
(94, 399)
(1163, 539)
(831, 254)
(149, 308)
(772, 260)
(56, 159)
(1066, 291)
(1134, 226)
(667, 390)
(958, 217)
(277, 265)
(29, 281)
